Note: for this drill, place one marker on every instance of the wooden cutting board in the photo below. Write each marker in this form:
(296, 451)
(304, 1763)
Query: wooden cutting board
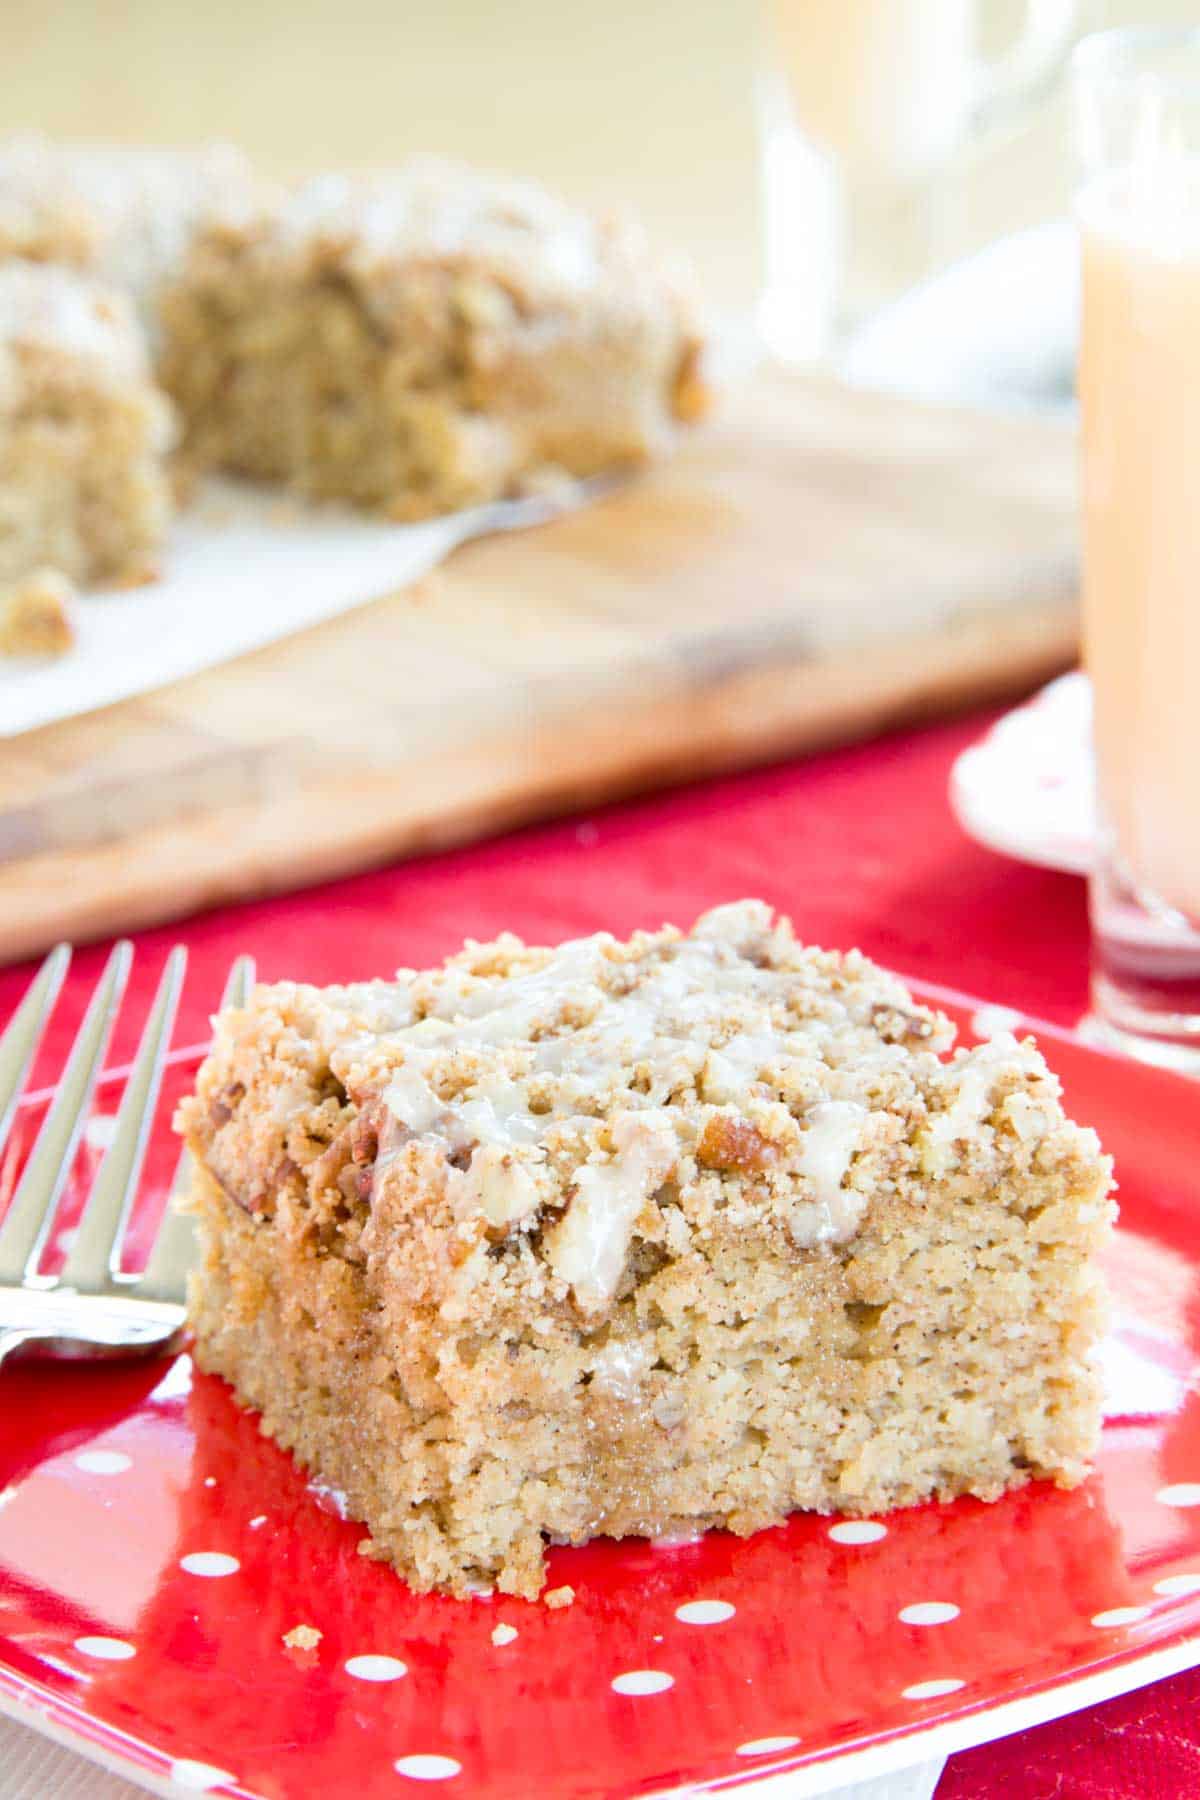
(813, 566)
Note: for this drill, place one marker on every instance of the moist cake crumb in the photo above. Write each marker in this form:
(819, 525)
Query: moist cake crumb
(504, 1634)
(558, 1597)
(641, 1238)
(302, 1637)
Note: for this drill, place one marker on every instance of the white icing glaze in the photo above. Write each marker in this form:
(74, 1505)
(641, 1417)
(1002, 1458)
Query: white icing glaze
(733, 1070)
(126, 213)
(442, 209)
(742, 923)
(409, 1097)
(60, 310)
(577, 1029)
(588, 1246)
(1029, 1120)
(497, 1184)
(971, 1079)
(586, 1034)
(833, 1134)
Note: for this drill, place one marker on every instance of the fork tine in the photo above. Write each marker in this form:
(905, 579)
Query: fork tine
(32, 1206)
(93, 1257)
(24, 1031)
(175, 1246)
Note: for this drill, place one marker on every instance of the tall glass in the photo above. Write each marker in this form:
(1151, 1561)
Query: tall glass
(1137, 121)
(891, 91)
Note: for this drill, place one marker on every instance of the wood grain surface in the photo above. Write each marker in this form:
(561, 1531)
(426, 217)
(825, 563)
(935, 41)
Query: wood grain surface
(815, 565)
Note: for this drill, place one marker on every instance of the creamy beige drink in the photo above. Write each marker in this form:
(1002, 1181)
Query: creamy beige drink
(1139, 379)
(1137, 129)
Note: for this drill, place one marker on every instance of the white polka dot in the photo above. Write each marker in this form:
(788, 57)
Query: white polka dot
(375, 1668)
(105, 1649)
(1119, 1615)
(705, 1612)
(643, 1681)
(198, 1777)
(257, 1520)
(210, 1563)
(428, 1768)
(103, 1462)
(858, 1531)
(504, 1634)
(210, 1481)
(933, 1690)
(988, 1021)
(1184, 1493)
(100, 1130)
(928, 1612)
(1172, 1586)
(767, 1746)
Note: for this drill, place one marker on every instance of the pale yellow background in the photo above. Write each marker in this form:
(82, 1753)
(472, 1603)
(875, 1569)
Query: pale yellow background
(642, 102)
(651, 102)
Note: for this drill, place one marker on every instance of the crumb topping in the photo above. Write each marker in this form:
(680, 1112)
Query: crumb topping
(45, 307)
(126, 214)
(596, 1072)
(435, 211)
(553, 1115)
(557, 1107)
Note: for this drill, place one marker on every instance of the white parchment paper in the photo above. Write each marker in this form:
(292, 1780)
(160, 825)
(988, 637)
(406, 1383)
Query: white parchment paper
(242, 567)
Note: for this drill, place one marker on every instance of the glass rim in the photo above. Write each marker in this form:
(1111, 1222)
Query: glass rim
(1112, 57)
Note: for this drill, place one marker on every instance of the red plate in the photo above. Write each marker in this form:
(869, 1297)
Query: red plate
(155, 1551)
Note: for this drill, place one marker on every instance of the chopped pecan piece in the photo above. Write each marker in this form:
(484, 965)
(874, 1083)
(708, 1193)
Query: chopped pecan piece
(735, 1144)
(220, 1107)
(895, 1026)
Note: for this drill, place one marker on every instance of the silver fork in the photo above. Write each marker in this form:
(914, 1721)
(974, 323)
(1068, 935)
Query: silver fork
(93, 1308)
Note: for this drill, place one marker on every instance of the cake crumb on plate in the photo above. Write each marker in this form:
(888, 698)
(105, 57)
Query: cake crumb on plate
(560, 1596)
(302, 1637)
(36, 615)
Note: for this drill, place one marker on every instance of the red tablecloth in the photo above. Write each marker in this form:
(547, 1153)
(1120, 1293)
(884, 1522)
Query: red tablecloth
(859, 847)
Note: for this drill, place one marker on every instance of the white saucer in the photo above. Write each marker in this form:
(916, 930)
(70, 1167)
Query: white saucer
(1027, 789)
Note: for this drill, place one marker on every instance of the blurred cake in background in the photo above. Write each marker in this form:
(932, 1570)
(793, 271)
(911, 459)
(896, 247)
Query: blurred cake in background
(125, 215)
(84, 432)
(412, 343)
(426, 340)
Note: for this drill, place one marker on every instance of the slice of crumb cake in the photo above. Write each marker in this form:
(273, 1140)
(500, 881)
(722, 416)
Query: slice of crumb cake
(641, 1237)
